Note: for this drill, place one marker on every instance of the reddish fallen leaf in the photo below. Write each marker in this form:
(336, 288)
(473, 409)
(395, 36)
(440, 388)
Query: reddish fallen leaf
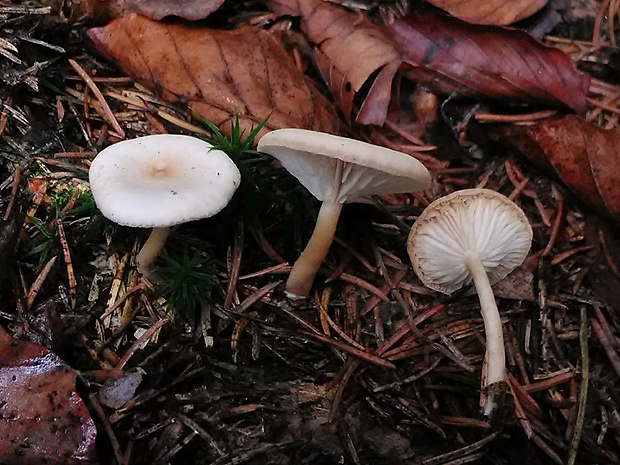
(102, 11)
(42, 419)
(444, 54)
(350, 49)
(449, 55)
(218, 73)
(584, 156)
(500, 12)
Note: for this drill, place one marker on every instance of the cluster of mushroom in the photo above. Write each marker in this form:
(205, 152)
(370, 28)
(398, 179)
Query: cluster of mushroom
(473, 235)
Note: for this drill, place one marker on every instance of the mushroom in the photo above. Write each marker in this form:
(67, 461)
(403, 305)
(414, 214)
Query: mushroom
(337, 170)
(159, 181)
(472, 235)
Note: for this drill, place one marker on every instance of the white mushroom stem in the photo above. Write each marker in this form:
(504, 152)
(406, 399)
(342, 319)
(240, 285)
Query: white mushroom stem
(496, 364)
(150, 250)
(307, 265)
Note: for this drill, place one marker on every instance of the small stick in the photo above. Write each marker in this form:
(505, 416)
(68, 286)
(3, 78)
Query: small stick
(355, 352)
(607, 255)
(583, 391)
(4, 117)
(14, 186)
(519, 412)
(596, 30)
(116, 447)
(522, 118)
(348, 370)
(545, 384)
(69, 264)
(342, 334)
(38, 283)
(140, 342)
(132, 290)
(107, 112)
(466, 450)
(235, 265)
(607, 345)
(322, 303)
(536, 439)
(410, 379)
(256, 296)
(557, 222)
(559, 258)
(364, 285)
(280, 268)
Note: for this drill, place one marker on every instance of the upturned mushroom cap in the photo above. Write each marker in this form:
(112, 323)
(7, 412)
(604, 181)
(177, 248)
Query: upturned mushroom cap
(470, 221)
(162, 180)
(315, 159)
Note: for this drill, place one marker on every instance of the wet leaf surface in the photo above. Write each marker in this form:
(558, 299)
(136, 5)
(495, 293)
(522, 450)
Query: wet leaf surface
(42, 419)
(451, 56)
(584, 156)
(499, 12)
(444, 54)
(244, 72)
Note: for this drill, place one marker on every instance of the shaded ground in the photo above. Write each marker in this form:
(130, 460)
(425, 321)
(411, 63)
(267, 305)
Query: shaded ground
(235, 374)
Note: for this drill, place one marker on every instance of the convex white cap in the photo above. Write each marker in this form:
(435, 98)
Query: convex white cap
(477, 222)
(339, 169)
(162, 180)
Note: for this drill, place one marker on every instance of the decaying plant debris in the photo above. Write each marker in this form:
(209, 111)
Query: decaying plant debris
(213, 364)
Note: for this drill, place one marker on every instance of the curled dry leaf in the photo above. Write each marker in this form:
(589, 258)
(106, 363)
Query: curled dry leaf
(42, 419)
(444, 54)
(100, 12)
(449, 55)
(244, 72)
(350, 49)
(584, 156)
(499, 12)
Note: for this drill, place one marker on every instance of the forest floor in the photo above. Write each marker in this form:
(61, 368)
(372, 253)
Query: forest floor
(213, 364)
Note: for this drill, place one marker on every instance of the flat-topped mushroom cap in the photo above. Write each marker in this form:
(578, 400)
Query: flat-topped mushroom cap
(340, 169)
(470, 221)
(162, 180)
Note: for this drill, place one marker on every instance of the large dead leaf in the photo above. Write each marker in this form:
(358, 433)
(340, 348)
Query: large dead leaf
(585, 157)
(244, 72)
(350, 49)
(449, 55)
(444, 54)
(42, 419)
(498, 12)
(102, 11)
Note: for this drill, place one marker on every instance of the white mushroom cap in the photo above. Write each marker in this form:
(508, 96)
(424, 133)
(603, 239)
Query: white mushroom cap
(470, 221)
(162, 180)
(339, 169)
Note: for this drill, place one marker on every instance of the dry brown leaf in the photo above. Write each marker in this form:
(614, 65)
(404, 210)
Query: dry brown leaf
(585, 157)
(500, 12)
(444, 54)
(244, 72)
(98, 11)
(350, 49)
(42, 419)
